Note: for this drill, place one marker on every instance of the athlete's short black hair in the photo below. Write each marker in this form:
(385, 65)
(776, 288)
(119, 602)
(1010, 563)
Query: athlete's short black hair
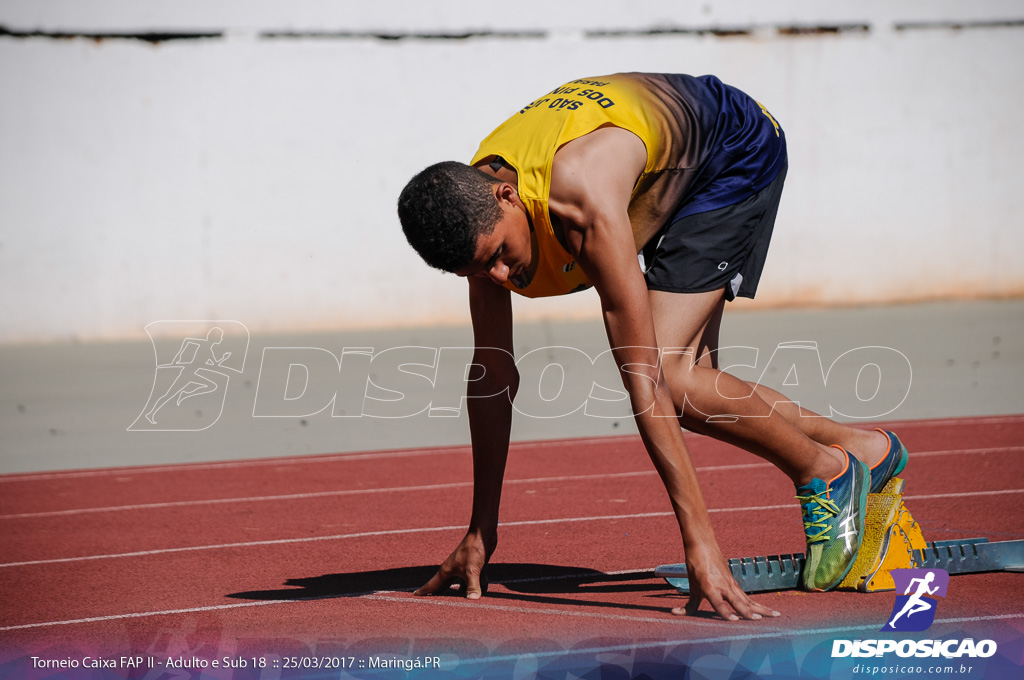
(444, 209)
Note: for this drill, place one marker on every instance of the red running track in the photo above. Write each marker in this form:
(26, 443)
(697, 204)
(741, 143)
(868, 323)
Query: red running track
(305, 553)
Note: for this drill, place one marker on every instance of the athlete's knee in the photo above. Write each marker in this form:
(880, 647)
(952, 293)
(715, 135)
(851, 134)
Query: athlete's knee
(677, 370)
(677, 363)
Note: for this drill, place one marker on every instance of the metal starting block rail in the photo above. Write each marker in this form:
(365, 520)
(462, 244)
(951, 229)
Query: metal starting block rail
(782, 572)
(972, 556)
(754, 574)
(892, 540)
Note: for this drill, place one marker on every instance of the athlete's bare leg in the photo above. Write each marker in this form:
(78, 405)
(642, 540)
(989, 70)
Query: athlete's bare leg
(870, 446)
(700, 389)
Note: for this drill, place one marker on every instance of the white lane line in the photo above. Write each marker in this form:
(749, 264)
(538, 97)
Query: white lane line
(434, 487)
(965, 452)
(668, 619)
(963, 420)
(321, 494)
(268, 462)
(778, 632)
(383, 595)
(367, 594)
(139, 615)
(312, 460)
(221, 546)
(363, 534)
(460, 527)
(965, 495)
(247, 499)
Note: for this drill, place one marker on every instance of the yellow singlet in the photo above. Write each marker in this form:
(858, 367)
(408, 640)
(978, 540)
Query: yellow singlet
(694, 151)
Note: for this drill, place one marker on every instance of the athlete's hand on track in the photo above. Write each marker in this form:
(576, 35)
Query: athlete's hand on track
(466, 566)
(711, 580)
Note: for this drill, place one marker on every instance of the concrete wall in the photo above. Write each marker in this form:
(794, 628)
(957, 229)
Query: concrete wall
(252, 175)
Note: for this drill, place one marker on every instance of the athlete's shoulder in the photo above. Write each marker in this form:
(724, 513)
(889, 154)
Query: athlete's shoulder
(607, 151)
(598, 168)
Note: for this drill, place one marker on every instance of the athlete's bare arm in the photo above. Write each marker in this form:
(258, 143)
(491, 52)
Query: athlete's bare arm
(592, 180)
(490, 421)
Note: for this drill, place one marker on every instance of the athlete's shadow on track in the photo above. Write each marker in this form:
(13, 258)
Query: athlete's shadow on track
(542, 583)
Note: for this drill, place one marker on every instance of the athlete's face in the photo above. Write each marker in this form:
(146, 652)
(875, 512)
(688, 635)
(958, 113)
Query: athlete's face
(506, 252)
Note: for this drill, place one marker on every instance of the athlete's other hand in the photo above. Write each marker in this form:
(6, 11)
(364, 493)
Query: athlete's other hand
(711, 580)
(465, 566)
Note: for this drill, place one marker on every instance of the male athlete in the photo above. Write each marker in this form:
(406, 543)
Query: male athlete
(686, 172)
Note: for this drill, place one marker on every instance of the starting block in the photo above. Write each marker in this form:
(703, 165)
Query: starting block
(892, 540)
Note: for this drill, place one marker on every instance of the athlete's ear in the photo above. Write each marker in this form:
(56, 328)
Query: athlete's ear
(507, 192)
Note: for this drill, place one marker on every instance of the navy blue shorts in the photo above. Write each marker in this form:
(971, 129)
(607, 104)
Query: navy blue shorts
(722, 248)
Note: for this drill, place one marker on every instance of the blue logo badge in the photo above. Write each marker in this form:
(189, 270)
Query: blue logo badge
(914, 610)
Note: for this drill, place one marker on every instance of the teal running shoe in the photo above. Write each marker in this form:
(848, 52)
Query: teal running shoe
(891, 464)
(834, 523)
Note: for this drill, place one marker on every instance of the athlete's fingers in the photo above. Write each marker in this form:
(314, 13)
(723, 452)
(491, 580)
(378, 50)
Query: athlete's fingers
(715, 599)
(693, 604)
(758, 608)
(473, 589)
(476, 583)
(690, 608)
(434, 584)
(719, 604)
(743, 606)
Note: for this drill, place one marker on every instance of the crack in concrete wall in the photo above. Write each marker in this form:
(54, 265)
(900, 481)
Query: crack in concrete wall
(150, 37)
(155, 37)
